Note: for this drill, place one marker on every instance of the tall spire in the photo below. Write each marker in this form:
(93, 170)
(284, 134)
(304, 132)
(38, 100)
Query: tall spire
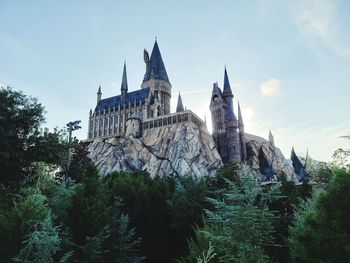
(155, 66)
(99, 94)
(180, 106)
(124, 86)
(240, 119)
(227, 87)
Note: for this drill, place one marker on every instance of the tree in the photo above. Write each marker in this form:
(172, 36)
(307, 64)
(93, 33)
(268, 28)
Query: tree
(19, 221)
(20, 117)
(21, 141)
(241, 226)
(42, 245)
(322, 229)
(88, 211)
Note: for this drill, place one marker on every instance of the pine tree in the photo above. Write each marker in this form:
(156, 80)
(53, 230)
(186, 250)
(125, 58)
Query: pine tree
(241, 226)
(42, 245)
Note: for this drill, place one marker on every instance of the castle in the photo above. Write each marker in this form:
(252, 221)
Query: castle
(131, 113)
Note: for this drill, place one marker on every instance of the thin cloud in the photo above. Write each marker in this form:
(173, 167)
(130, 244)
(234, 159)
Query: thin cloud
(319, 18)
(271, 87)
(15, 46)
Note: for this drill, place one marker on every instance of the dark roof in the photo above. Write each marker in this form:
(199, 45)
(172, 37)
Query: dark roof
(180, 106)
(124, 85)
(299, 168)
(265, 167)
(227, 86)
(138, 95)
(155, 67)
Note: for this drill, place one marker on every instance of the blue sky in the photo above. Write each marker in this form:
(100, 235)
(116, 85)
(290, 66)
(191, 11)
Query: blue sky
(288, 61)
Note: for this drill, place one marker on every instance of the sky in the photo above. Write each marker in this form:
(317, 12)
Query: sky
(288, 61)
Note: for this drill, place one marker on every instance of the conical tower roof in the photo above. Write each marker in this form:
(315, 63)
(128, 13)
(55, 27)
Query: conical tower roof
(124, 85)
(155, 66)
(99, 90)
(227, 86)
(180, 106)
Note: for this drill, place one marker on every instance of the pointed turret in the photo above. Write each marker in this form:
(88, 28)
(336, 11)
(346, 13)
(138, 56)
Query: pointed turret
(124, 86)
(228, 96)
(271, 139)
(155, 66)
(180, 106)
(242, 139)
(240, 119)
(156, 79)
(227, 87)
(99, 94)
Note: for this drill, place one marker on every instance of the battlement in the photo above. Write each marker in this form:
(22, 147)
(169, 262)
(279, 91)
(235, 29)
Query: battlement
(171, 119)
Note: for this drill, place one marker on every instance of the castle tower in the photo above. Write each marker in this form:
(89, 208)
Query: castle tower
(227, 94)
(242, 139)
(231, 124)
(99, 94)
(217, 109)
(124, 86)
(180, 106)
(156, 78)
(225, 125)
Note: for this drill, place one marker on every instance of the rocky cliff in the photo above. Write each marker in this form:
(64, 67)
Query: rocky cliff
(273, 155)
(178, 150)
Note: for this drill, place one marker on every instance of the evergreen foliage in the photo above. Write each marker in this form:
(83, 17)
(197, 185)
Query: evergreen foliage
(241, 225)
(42, 245)
(322, 231)
(126, 217)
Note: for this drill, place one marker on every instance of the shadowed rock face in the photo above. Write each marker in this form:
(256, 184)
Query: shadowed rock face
(174, 150)
(273, 155)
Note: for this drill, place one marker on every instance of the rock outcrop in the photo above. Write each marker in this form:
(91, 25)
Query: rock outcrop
(273, 156)
(170, 150)
(179, 150)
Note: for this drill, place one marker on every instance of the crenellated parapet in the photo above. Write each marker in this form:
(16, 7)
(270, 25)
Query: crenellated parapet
(171, 119)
